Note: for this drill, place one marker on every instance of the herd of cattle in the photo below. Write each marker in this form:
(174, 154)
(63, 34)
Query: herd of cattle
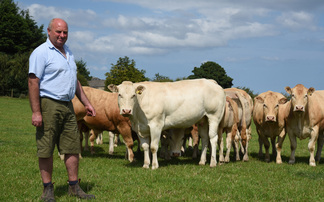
(167, 111)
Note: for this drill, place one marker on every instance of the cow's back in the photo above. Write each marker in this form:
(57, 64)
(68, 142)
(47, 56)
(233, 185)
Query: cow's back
(172, 101)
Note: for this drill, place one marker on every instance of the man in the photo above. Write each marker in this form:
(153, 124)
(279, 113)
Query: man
(52, 84)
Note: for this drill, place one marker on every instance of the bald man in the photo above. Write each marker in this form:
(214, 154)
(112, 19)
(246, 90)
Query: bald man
(52, 84)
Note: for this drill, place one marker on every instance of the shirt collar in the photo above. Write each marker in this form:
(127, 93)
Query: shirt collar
(50, 45)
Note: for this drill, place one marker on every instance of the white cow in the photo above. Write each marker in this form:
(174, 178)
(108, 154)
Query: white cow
(153, 107)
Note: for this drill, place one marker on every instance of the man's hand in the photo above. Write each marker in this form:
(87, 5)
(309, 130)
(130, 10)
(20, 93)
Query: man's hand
(90, 110)
(37, 119)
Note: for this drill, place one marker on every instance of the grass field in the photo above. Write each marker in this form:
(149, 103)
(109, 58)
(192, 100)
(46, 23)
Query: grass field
(112, 178)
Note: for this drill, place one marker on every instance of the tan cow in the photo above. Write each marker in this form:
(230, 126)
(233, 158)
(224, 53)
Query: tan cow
(305, 119)
(157, 106)
(268, 116)
(229, 125)
(107, 116)
(245, 106)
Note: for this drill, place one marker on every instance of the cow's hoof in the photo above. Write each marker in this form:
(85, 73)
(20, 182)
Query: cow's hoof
(202, 163)
(291, 161)
(146, 166)
(312, 164)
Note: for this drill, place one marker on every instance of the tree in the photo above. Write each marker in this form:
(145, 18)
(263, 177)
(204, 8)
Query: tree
(83, 73)
(212, 70)
(124, 70)
(160, 78)
(19, 35)
(18, 32)
(82, 69)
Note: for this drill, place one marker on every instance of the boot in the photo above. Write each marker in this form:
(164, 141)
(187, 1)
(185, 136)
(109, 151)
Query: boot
(48, 194)
(75, 190)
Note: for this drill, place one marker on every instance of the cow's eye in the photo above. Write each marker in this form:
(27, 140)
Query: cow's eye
(265, 106)
(306, 96)
(277, 106)
(119, 95)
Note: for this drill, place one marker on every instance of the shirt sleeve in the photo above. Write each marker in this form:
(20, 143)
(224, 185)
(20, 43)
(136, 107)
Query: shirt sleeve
(37, 62)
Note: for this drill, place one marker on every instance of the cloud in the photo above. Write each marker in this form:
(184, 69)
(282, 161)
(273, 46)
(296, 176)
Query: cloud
(297, 21)
(80, 18)
(175, 25)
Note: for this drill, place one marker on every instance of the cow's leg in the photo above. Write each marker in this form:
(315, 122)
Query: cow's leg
(320, 143)
(260, 145)
(248, 134)
(92, 138)
(195, 138)
(293, 146)
(155, 139)
(190, 142)
(220, 143)
(311, 145)
(203, 133)
(229, 142)
(126, 132)
(273, 145)
(281, 138)
(86, 140)
(237, 145)
(111, 142)
(99, 139)
(213, 138)
(145, 144)
(266, 146)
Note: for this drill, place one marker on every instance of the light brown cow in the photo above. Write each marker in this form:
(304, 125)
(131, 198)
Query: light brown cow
(245, 106)
(107, 116)
(268, 117)
(229, 125)
(305, 119)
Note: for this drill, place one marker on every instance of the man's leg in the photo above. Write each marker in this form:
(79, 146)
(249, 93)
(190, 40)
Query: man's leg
(72, 167)
(46, 168)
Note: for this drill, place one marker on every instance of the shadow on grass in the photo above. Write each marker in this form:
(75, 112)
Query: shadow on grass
(285, 159)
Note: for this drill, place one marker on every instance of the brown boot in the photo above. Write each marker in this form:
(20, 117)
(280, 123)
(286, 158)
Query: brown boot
(75, 190)
(48, 194)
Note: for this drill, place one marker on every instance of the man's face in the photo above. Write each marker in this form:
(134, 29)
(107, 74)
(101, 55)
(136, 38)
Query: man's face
(58, 33)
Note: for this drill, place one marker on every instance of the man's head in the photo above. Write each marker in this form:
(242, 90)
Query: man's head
(57, 31)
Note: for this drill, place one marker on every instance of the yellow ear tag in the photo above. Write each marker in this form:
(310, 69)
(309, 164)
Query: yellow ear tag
(138, 92)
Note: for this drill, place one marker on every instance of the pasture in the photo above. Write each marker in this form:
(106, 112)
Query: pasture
(112, 178)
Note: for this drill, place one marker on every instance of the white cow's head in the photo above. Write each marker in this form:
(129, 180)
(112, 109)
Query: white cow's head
(127, 96)
(270, 102)
(299, 97)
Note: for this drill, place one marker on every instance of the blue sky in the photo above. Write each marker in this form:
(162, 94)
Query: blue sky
(263, 45)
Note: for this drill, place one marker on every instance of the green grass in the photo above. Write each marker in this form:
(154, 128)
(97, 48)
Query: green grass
(112, 178)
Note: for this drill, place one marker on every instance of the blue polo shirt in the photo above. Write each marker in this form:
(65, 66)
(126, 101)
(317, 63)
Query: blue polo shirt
(57, 74)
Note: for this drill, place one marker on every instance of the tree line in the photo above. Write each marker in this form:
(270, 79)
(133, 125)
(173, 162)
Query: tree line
(20, 35)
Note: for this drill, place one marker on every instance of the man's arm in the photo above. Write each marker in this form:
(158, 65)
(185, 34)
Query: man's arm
(33, 88)
(84, 100)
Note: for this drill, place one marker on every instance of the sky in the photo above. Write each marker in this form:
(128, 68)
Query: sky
(263, 45)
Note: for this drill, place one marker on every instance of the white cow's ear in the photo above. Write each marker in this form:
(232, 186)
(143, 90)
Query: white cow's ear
(139, 90)
(113, 88)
